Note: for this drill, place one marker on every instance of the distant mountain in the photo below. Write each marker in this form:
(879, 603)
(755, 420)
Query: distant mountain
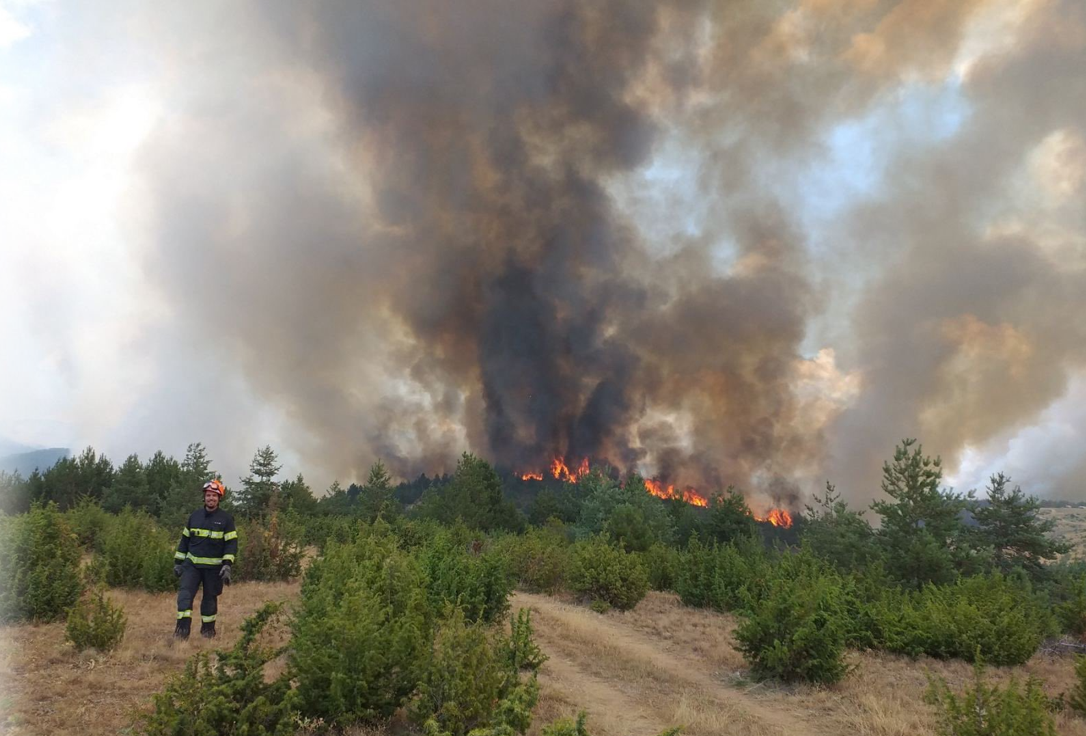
(25, 462)
(8, 447)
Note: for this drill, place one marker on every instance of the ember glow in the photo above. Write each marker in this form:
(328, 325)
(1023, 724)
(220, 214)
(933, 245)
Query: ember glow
(531, 476)
(689, 495)
(777, 517)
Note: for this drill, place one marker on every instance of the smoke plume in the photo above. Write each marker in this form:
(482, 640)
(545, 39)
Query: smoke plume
(586, 228)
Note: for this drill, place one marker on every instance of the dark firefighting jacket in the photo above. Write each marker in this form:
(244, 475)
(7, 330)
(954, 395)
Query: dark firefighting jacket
(209, 539)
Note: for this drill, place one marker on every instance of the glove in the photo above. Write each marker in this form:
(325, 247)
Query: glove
(177, 571)
(224, 573)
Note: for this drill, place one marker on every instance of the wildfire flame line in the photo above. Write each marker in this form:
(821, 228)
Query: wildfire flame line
(561, 471)
(777, 517)
(558, 468)
(689, 495)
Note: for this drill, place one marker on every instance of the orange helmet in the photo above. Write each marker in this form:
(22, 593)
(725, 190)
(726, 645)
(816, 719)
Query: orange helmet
(215, 485)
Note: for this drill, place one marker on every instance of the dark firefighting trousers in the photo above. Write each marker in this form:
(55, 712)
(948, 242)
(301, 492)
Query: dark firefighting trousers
(193, 577)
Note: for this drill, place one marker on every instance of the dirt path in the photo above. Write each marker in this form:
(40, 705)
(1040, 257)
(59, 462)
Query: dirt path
(632, 685)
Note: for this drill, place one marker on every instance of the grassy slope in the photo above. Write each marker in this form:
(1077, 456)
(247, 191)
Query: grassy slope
(1071, 526)
(635, 673)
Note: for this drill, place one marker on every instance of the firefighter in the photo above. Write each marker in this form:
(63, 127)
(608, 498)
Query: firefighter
(208, 546)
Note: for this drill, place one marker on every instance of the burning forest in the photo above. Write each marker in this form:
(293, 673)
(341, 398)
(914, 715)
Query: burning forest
(566, 306)
(724, 244)
(560, 471)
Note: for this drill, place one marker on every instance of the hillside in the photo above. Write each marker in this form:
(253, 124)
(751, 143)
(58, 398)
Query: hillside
(1070, 526)
(635, 673)
(25, 462)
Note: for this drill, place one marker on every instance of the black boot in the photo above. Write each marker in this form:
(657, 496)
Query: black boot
(207, 629)
(184, 626)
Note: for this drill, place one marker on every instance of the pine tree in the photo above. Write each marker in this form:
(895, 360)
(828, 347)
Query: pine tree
(129, 487)
(837, 533)
(375, 499)
(730, 519)
(334, 500)
(14, 493)
(95, 474)
(259, 487)
(297, 496)
(474, 497)
(161, 472)
(71, 479)
(197, 465)
(920, 523)
(1010, 526)
(185, 494)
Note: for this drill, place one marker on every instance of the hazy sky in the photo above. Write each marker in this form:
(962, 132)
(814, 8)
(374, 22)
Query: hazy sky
(196, 238)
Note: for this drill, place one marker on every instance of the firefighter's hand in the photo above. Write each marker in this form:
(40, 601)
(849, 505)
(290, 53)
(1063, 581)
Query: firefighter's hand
(224, 573)
(177, 570)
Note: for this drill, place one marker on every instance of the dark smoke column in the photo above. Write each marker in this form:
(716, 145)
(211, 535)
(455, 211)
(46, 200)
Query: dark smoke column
(487, 130)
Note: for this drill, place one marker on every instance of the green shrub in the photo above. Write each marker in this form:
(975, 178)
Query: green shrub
(859, 622)
(566, 727)
(89, 521)
(1072, 611)
(988, 710)
(134, 552)
(796, 633)
(39, 566)
(414, 534)
(662, 564)
(520, 652)
(269, 549)
(696, 580)
(156, 567)
(599, 571)
(319, 531)
(1077, 697)
(467, 576)
(361, 633)
(227, 693)
(626, 509)
(988, 614)
(723, 577)
(513, 713)
(537, 559)
(463, 681)
(95, 623)
(475, 679)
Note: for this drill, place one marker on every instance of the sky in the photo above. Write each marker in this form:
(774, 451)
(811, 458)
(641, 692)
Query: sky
(814, 228)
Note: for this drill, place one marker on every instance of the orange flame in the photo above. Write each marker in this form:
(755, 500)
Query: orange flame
(561, 471)
(777, 517)
(582, 469)
(689, 495)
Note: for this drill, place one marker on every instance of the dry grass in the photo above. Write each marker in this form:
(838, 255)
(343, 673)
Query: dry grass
(49, 688)
(1070, 526)
(636, 673)
(663, 665)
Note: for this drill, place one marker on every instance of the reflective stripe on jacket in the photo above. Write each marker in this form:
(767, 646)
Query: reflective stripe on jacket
(208, 539)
